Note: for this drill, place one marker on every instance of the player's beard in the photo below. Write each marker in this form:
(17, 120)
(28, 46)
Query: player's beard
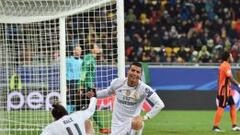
(133, 80)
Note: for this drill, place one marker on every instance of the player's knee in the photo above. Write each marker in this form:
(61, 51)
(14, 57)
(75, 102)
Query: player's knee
(137, 123)
(89, 127)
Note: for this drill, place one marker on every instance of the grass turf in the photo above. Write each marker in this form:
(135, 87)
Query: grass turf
(177, 123)
(186, 123)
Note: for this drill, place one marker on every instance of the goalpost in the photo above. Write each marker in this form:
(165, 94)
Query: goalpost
(36, 39)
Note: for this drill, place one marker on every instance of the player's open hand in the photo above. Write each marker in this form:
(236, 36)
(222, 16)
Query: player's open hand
(137, 123)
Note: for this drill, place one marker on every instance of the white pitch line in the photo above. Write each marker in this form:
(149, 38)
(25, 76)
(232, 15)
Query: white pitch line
(22, 123)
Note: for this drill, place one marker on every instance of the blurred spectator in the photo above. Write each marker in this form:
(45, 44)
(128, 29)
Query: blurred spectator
(204, 56)
(194, 57)
(214, 24)
(236, 51)
(27, 55)
(182, 54)
(130, 17)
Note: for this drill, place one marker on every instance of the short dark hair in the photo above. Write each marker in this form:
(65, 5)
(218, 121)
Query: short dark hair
(88, 48)
(225, 56)
(58, 111)
(138, 64)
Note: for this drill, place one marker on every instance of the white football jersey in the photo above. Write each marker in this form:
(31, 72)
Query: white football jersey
(72, 124)
(128, 103)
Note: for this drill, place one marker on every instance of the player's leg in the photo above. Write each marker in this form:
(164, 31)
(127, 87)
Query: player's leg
(69, 96)
(219, 113)
(97, 119)
(137, 125)
(233, 114)
(74, 94)
(89, 127)
(123, 129)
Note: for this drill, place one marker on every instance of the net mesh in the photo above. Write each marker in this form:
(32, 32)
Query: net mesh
(40, 7)
(30, 60)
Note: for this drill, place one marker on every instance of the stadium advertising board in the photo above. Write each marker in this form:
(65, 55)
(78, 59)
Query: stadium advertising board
(33, 100)
(38, 101)
(186, 78)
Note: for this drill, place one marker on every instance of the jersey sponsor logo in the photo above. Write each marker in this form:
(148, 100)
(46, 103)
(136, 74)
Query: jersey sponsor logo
(126, 102)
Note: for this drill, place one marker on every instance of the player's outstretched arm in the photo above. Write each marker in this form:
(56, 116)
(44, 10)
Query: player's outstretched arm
(104, 93)
(99, 94)
(92, 106)
(115, 84)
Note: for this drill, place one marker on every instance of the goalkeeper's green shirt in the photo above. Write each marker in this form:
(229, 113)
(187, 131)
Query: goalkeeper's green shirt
(88, 71)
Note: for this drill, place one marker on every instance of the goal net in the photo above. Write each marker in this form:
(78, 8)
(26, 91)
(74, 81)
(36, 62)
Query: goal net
(40, 61)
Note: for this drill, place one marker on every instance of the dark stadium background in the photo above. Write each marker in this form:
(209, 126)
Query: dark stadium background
(188, 36)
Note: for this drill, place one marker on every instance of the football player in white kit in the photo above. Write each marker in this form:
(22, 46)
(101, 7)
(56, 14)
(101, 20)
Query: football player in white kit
(76, 123)
(130, 94)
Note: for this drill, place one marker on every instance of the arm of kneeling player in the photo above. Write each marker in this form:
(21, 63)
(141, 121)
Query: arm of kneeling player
(158, 105)
(92, 106)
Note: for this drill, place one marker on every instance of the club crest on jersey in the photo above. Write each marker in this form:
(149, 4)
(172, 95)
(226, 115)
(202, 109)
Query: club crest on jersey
(128, 92)
(136, 95)
(132, 94)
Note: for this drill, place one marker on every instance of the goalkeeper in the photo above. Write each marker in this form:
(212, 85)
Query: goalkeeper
(87, 82)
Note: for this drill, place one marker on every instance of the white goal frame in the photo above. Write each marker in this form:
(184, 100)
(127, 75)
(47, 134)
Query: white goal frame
(5, 18)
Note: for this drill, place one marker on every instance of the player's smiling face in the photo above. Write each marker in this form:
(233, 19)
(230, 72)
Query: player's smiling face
(134, 74)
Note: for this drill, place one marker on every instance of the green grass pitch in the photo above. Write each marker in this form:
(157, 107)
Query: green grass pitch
(177, 123)
(187, 123)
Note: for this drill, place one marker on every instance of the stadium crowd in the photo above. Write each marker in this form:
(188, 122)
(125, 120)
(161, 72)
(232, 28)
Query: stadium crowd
(172, 31)
(181, 31)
